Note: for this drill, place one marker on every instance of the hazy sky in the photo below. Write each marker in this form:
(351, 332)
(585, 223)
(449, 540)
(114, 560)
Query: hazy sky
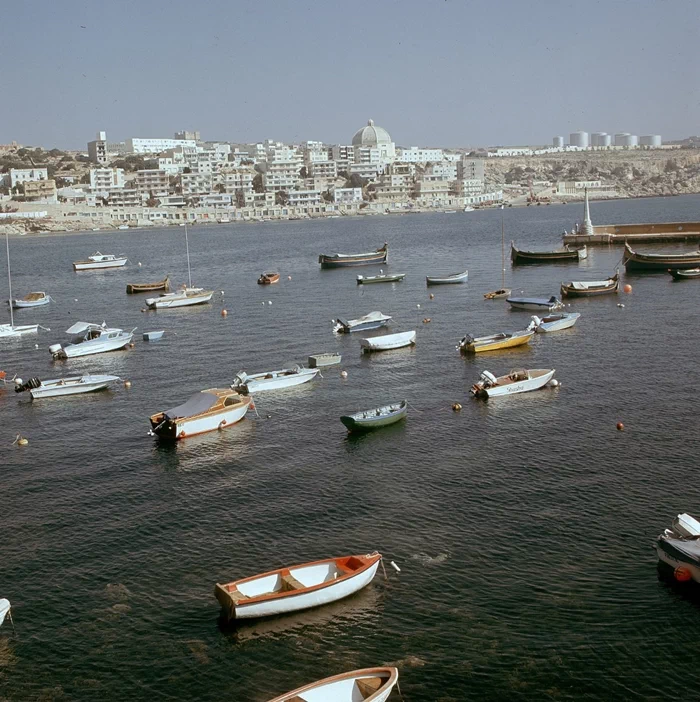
(432, 72)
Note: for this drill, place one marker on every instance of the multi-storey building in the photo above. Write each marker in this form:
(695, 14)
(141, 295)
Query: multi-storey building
(298, 198)
(237, 179)
(23, 175)
(322, 169)
(396, 183)
(153, 181)
(416, 155)
(282, 170)
(106, 178)
(188, 136)
(195, 184)
(347, 196)
(124, 197)
(470, 169)
(40, 190)
(343, 156)
(372, 144)
(97, 150)
(156, 146)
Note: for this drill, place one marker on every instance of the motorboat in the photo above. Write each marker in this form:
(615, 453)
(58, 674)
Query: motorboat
(89, 338)
(519, 256)
(387, 278)
(181, 298)
(375, 418)
(679, 547)
(153, 335)
(590, 288)
(365, 685)
(498, 294)
(449, 279)
(98, 261)
(388, 341)
(33, 299)
(324, 359)
(469, 208)
(208, 410)
(635, 261)
(65, 386)
(684, 273)
(516, 381)
(495, 342)
(338, 260)
(296, 587)
(554, 322)
(548, 304)
(164, 285)
(373, 320)
(268, 278)
(273, 380)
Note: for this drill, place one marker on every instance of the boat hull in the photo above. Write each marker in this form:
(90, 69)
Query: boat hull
(72, 386)
(483, 344)
(388, 341)
(525, 304)
(454, 279)
(685, 273)
(517, 388)
(519, 257)
(677, 559)
(566, 322)
(357, 423)
(324, 359)
(18, 304)
(166, 302)
(88, 348)
(132, 288)
(253, 385)
(569, 290)
(98, 265)
(7, 330)
(348, 260)
(498, 294)
(181, 428)
(362, 280)
(659, 262)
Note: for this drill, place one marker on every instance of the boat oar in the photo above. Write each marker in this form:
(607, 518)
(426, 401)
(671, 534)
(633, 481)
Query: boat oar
(9, 614)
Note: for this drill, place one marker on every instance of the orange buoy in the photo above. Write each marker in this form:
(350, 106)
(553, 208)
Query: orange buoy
(224, 313)
(620, 426)
(682, 574)
(627, 288)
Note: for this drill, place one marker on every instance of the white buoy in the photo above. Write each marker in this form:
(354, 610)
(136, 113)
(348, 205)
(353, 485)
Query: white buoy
(269, 302)
(418, 306)
(139, 264)
(619, 304)
(18, 381)
(36, 346)
(394, 566)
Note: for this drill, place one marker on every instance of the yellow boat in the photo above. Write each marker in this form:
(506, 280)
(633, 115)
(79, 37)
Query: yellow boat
(495, 342)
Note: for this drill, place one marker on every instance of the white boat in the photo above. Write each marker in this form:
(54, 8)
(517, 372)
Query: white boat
(273, 380)
(65, 386)
(208, 410)
(547, 304)
(34, 299)
(123, 226)
(516, 381)
(679, 547)
(5, 608)
(11, 329)
(449, 279)
(365, 685)
(373, 320)
(91, 338)
(296, 587)
(324, 359)
(388, 341)
(554, 322)
(469, 208)
(153, 335)
(98, 260)
(182, 298)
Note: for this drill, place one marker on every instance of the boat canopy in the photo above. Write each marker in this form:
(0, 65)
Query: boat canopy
(80, 327)
(198, 403)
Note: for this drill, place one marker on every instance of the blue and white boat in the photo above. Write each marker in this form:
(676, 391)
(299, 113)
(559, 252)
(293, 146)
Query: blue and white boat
(554, 322)
(546, 304)
(373, 320)
(679, 546)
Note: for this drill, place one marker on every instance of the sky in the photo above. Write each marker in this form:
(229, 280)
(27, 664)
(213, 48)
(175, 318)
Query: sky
(432, 72)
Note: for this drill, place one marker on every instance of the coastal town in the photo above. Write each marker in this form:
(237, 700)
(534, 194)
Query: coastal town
(143, 182)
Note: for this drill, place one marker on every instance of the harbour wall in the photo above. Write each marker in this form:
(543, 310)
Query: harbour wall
(617, 234)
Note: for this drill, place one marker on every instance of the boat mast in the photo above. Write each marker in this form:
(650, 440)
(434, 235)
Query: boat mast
(187, 245)
(503, 254)
(9, 277)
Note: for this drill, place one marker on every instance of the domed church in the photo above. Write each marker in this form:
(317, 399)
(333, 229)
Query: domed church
(372, 144)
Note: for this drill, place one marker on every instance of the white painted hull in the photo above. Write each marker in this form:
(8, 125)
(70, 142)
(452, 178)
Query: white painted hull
(306, 600)
(342, 688)
(674, 563)
(522, 386)
(535, 306)
(282, 381)
(201, 425)
(17, 304)
(4, 609)
(7, 330)
(72, 386)
(388, 341)
(94, 265)
(87, 348)
(177, 300)
(569, 321)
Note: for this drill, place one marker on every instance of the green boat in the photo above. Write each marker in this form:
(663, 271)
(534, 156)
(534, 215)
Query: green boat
(375, 418)
(366, 279)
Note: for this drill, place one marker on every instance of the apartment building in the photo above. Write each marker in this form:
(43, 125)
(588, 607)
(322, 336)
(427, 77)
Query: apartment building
(416, 155)
(196, 184)
(156, 146)
(298, 198)
(347, 196)
(470, 169)
(40, 191)
(282, 170)
(153, 181)
(18, 176)
(106, 178)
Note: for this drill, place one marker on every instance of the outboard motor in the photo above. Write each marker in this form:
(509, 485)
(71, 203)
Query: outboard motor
(465, 341)
(488, 379)
(29, 385)
(56, 351)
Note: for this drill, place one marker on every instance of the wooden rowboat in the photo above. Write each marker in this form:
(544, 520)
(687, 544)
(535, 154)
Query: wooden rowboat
(387, 278)
(375, 418)
(546, 304)
(33, 299)
(498, 294)
(339, 260)
(268, 278)
(518, 256)
(388, 341)
(591, 288)
(659, 262)
(132, 288)
(449, 279)
(296, 587)
(324, 359)
(685, 273)
(495, 342)
(366, 685)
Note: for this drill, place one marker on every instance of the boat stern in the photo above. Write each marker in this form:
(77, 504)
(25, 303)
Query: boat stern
(227, 602)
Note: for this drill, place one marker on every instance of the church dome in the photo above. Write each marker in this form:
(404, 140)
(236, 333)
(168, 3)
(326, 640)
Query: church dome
(371, 135)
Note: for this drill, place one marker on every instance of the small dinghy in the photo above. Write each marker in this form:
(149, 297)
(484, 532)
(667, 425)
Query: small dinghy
(339, 260)
(366, 685)
(273, 380)
(518, 256)
(373, 320)
(449, 279)
(547, 304)
(164, 285)
(324, 359)
(498, 294)
(91, 338)
(554, 322)
(375, 418)
(296, 587)
(65, 386)
(582, 288)
(182, 298)
(679, 547)
(388, 341)
(495, 342)
(153, 335)
(684, 273)
(516, 381)
(5, 608)
(99, 261)
(205, 411)
(268, 278)
(33, 299)
(366, 280)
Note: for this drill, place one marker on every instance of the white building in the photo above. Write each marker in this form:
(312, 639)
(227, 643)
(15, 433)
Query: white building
(579, 139)
(372, 144)
(282, 170)
(153, 181)
(601, 139)
(98, 149)
(106, 178)
(155, 146)
(343, 156)
(195, 184)
(347, 196)
(323, 169)
(513, 151)
(297, 198)
(471, 169)
(23, 175)
(416, 155)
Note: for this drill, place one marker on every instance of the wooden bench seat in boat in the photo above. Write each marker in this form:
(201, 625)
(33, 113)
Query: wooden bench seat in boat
(237, 596)
(368, 686)
(289, 582)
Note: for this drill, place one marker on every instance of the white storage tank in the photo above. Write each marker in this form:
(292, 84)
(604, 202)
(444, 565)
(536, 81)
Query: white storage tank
(598, 138)
(558, 142)
(650, 140)
(579, 139)
(620, 138)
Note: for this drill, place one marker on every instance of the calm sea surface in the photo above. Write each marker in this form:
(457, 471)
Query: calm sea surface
(523, 526)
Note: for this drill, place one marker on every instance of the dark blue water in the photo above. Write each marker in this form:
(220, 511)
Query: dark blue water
(523, 526)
